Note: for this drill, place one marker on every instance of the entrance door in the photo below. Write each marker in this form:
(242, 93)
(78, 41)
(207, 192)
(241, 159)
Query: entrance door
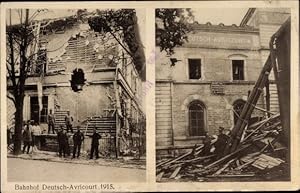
(34, 109)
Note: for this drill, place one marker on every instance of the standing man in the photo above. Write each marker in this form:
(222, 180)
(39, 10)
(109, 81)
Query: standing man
(207, 145)
(27, 137)
(36, 131)
(221, 142)
(77, 139)
(69, 120)
(95, 144)
(62, 140)
(51, 122)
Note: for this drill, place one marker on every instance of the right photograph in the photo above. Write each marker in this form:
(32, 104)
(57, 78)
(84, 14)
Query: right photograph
(222, 94)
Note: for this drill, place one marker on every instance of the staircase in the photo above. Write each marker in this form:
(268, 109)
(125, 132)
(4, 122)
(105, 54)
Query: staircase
(60, 118)
(104, 125)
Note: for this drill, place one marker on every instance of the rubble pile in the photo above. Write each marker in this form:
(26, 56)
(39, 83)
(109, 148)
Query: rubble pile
(259, 151)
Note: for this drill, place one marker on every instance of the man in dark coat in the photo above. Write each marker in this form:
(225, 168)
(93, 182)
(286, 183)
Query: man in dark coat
(95, 144)
(221, 142)
(207, 145)
(62, 142)
(27, 136)
(77, 139)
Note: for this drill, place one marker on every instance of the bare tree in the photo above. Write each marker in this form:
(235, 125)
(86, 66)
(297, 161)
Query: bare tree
(22, 48)
(19, 38)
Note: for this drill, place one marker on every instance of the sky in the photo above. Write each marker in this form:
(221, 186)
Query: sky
(215, 16)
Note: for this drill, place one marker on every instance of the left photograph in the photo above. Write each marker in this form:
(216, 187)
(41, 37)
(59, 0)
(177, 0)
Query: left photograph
(75, 102)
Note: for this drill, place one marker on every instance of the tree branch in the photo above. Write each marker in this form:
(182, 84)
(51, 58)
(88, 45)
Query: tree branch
(11, 98)
(121, 44)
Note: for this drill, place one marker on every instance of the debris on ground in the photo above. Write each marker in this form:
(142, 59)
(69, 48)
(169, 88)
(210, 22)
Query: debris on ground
(259, 150)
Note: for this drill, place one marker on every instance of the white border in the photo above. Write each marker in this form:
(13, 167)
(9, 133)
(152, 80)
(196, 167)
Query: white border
(150, 97)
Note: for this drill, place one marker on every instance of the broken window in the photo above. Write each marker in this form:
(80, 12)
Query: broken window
(238, 69)
(196, 119)
(194, 68)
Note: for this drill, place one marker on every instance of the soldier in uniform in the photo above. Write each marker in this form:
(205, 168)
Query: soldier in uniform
(95, 144)
(77, 139)
(221, 142)
(62, 142)
(207, 145)
(27, 136)
(51, 122)
(69, 120)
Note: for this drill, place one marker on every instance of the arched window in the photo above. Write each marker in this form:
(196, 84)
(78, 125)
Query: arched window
(196, 118)
(238, 108)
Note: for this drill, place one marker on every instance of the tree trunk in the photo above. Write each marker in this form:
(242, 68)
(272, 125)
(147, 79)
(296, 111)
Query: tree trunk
(18, 125)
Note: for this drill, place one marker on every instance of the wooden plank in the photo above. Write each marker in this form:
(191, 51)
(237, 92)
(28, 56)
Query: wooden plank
(227, 157)
(244, 165)
(270, 159)
(180, 157)
(175, 173)
(174, 160)
(159, 176)
(224, 167)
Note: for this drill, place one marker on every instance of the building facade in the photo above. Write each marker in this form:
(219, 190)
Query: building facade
(214, 73)
(111, 98)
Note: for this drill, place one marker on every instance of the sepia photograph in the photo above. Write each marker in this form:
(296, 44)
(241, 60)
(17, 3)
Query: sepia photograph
(149, 96)
(222, 94)
(75, 100)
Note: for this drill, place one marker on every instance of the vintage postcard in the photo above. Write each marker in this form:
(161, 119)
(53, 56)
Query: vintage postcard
(150, 96)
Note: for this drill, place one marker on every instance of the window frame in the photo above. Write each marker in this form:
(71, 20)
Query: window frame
(188, 67)
(201, 132)
(243, 67)
(42, 118)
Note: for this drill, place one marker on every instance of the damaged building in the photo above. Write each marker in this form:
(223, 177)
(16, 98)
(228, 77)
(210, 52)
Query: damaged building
(206, 82)
(111, 98)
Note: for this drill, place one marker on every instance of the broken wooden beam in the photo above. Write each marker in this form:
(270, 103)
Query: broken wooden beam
(227, 157)
(224, 167)
(176, 171)
(159, 176)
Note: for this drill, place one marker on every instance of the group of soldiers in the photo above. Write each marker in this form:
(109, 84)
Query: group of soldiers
(78, 137)
(219, 144)
(30, 131)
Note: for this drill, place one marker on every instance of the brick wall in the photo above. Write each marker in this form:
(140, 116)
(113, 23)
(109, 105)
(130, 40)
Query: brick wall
(218, 110)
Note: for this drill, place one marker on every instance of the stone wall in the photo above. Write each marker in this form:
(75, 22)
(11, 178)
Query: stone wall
(215, 64)
(92, 101)
(172, 110)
